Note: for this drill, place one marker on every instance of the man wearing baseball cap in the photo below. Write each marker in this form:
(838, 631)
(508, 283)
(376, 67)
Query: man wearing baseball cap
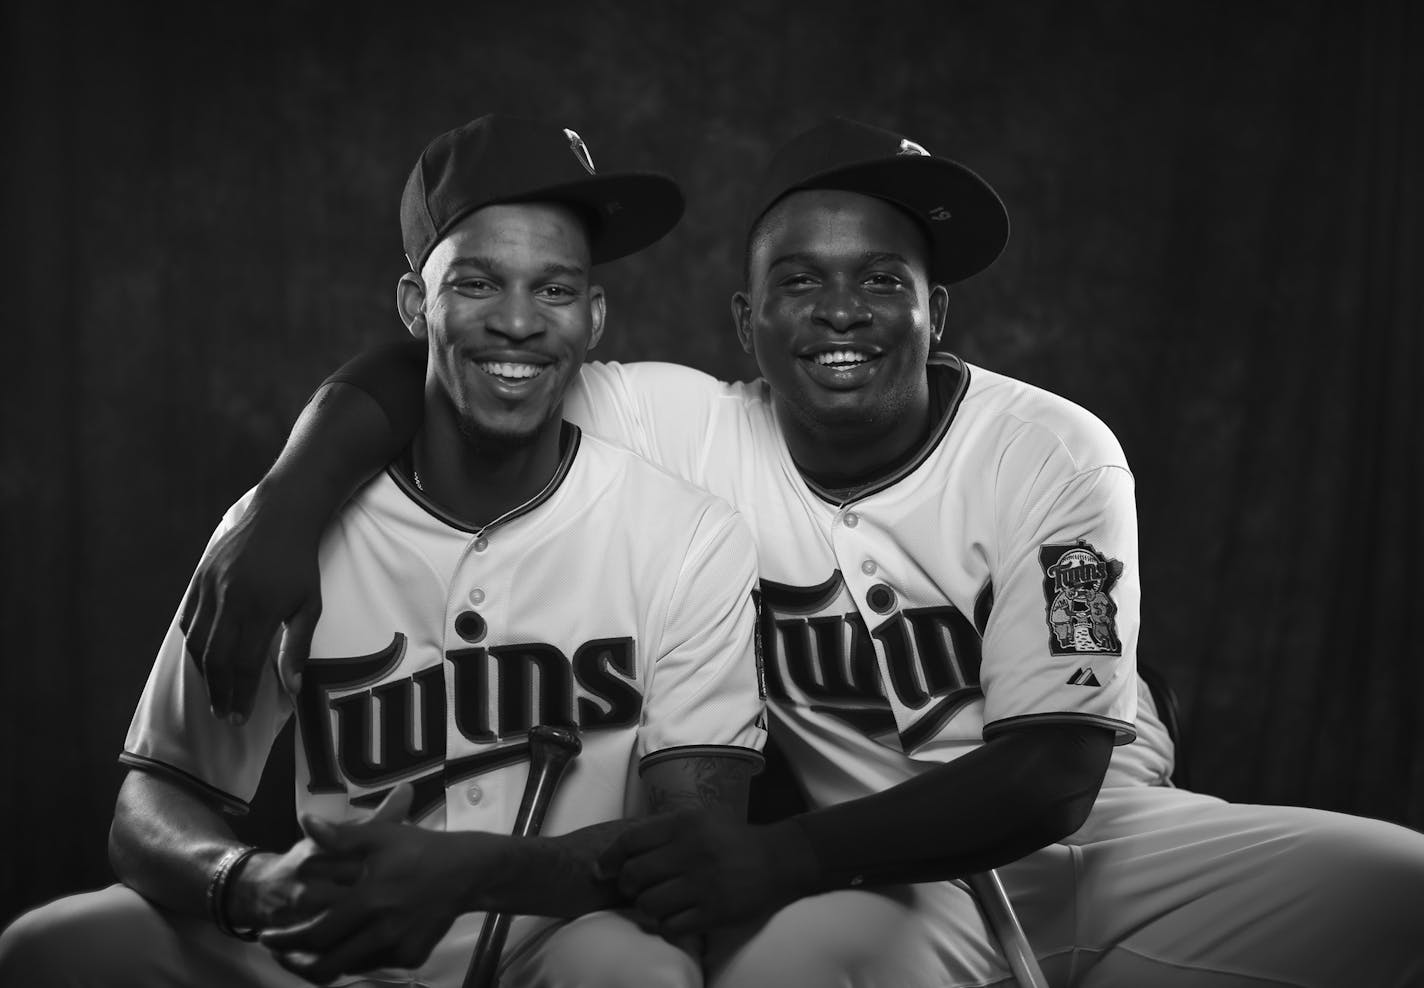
(504, 572)
(949, 593)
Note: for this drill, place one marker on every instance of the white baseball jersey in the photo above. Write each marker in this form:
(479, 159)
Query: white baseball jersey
(620, 600)
(990, 581)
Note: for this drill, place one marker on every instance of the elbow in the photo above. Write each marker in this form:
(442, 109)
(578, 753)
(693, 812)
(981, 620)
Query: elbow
(1061, 783)
(1064, 816)
(120, 842)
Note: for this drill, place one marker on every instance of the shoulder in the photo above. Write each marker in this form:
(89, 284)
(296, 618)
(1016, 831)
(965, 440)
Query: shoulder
(631, 479)
(1027, 420)
(663, 385)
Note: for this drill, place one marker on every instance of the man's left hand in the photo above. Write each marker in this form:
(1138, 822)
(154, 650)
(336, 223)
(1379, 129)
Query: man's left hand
(690, 872)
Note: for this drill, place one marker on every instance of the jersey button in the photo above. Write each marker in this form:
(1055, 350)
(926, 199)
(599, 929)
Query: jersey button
(868, 567)
(880, 598)
(851, 519)
(477, 596)
(471, 627)
(474, 794)
(481, 544)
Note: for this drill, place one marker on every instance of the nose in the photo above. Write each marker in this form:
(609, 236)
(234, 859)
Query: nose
(840, 308)
(516, 317)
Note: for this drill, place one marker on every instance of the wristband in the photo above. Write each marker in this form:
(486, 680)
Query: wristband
(228, 866)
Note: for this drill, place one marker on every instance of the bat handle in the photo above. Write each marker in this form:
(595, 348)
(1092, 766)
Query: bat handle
(550, 751)
(1004, 923)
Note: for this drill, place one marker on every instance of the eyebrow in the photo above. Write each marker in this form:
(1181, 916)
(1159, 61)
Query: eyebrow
(553, 269)
(869, 257)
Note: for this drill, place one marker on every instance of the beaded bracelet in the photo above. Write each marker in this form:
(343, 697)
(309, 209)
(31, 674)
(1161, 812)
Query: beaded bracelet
(228, 866)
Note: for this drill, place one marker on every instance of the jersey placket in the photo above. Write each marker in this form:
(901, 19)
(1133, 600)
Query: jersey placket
(477, 617)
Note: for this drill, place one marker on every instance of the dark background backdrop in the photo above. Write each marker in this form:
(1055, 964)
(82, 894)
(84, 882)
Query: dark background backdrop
(1216, 248)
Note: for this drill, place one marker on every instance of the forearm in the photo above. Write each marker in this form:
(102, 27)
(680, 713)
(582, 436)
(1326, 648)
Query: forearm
(996, 804)
(542, 876)
(165, 842)
(359, 420)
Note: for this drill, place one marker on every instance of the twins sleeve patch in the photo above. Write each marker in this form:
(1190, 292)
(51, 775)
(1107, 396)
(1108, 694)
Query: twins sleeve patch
(1077, 588)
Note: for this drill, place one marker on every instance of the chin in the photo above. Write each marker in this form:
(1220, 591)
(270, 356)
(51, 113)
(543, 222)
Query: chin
(502, 432)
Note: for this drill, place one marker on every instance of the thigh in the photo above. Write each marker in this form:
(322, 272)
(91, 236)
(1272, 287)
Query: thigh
(897, 937)
(1175, 888)
(115, 937)
(599, 950)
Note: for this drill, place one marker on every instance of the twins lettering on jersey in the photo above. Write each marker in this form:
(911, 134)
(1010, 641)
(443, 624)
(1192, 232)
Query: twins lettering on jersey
(820, 656)
(395, 730)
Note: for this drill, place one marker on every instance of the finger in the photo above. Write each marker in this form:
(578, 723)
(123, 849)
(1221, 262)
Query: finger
(667, 899)
(306, 901)
(320, 933)
(195, 621)
(395, 808)
(332, 837)
(298, 962)
(686, 923)
(365, 946)
(296, 646)
(330, 869)
(192, 607)
(644, 871)
(249, 645)
(638, 839)
(348, 838)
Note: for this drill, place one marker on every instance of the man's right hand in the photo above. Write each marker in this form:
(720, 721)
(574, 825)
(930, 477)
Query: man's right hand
(277, 890)
(260, 575)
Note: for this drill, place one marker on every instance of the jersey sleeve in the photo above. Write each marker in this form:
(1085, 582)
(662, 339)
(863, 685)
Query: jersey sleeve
(706, 695)
(175, 734)
(661, 411)
(1060, 644)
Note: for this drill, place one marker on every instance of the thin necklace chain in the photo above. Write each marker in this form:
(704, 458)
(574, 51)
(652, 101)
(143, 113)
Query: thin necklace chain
(479, 532)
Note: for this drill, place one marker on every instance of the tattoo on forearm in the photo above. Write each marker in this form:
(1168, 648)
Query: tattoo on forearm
(703, 783)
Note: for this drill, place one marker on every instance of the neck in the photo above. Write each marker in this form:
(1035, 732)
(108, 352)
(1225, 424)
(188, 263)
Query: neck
(855, 449)
(478, 481)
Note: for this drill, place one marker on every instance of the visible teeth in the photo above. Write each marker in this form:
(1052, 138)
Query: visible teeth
(519, 371)
(841, 357)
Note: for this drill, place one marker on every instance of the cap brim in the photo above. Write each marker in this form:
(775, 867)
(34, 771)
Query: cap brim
(966, 221)
(634, 209)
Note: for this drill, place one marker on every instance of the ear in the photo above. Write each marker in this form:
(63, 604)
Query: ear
(410, 303)
(598, 311)
(939, 310)
(742, 319)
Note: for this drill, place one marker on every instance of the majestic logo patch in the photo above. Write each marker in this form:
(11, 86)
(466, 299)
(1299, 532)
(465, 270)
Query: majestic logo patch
(1077, 587)
(580, 149)
(1084, 677)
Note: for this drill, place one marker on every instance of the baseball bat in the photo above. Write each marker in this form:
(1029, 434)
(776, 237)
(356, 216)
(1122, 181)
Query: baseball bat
(550, 751)
(999, 913)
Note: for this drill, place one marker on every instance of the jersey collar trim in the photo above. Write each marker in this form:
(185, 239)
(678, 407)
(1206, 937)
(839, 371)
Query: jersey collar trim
(399, 470)
(950, 364)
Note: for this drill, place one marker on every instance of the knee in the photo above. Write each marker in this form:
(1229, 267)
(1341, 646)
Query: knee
(71, 941)
(605, 950)
(34, 948)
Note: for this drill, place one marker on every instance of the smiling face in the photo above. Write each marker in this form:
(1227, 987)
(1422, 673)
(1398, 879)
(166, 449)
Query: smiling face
(505, 303)
(841, 317)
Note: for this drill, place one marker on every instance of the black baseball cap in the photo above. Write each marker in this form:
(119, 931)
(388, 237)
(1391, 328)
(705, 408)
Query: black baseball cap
(963, 216)
(502, 159)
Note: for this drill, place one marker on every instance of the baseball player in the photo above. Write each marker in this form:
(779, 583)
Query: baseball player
(505, 570)
(949, 608)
